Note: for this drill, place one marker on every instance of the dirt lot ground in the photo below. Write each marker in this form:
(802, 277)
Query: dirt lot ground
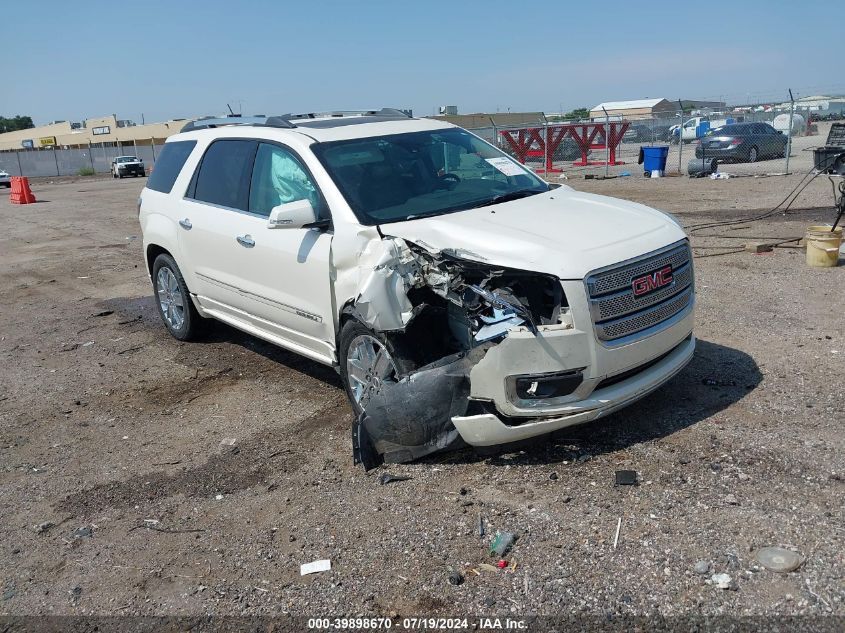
(109, 433)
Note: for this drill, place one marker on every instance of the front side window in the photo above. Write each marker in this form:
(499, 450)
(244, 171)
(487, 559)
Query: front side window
(278, 178)
(419, 174)
(224, 174)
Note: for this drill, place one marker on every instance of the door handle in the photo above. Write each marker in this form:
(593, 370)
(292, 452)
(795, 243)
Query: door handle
(246, 241)
(185, 224)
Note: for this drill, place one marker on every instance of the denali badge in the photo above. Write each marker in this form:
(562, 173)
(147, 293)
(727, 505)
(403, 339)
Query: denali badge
(651, 282)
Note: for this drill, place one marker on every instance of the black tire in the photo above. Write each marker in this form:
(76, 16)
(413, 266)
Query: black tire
(394, 345)
(753, 154)
(192, 323)
(113, 175)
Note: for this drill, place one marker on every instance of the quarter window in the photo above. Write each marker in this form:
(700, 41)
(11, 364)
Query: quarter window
(279, 178)
(169, 164)
(224, 174)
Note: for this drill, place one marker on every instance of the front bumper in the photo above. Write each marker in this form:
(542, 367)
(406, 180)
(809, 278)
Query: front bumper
(489, 429)
(615, 374)
(135, 170)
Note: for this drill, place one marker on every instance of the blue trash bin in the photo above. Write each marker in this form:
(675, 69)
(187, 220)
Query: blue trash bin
(654, 159)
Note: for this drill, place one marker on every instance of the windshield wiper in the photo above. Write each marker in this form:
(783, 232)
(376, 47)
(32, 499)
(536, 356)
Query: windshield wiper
(507, 197)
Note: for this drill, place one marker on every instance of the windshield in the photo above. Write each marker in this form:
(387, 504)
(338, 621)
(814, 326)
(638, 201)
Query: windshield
(418, 174)
(127, 159)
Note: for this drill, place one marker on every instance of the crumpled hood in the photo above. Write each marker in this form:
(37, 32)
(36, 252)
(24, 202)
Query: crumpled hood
(562, 232)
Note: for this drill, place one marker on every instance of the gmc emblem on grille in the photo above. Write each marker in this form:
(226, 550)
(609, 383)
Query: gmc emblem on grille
(651, 282)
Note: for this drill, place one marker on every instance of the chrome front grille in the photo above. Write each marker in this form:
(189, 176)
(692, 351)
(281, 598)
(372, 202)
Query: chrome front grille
(617, 313)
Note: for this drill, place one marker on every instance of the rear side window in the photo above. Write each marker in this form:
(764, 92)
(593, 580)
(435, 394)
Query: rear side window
(225, 172)
(168, 165)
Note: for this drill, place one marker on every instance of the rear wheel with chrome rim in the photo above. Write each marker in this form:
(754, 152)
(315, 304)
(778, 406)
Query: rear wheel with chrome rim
(753, 154)
(173, 300)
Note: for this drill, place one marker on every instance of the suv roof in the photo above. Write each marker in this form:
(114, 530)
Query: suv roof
(323, 126)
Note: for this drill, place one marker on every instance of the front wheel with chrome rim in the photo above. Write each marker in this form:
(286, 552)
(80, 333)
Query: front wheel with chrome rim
(369, 363)
(173, 299)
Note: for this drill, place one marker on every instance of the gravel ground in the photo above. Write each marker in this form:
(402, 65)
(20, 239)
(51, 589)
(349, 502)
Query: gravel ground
(115, 498)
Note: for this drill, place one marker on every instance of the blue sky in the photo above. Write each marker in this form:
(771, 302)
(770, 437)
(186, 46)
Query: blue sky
(72, 60)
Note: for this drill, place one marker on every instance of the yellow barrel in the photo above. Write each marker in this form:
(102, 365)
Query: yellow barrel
(823, 246)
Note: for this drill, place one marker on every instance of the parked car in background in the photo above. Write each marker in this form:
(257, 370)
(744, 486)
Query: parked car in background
(742, 143)
(127, 166)
(5, 179)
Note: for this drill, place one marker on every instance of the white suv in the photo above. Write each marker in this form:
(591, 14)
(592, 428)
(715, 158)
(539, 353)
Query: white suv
(459, 296)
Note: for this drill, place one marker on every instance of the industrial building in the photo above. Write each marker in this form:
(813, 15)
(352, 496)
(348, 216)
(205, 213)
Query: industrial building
(649, 108)
(108, 130)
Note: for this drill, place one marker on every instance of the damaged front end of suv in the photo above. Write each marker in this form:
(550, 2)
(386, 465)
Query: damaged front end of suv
(439, 312)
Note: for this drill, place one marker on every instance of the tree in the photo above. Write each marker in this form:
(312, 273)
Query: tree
(575, 115)
(16, 123)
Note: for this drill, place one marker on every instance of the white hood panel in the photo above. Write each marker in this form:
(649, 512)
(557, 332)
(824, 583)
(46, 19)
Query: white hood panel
(563, 233)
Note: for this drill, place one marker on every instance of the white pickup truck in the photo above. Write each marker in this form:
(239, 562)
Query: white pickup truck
(696, 127)
(461, 298)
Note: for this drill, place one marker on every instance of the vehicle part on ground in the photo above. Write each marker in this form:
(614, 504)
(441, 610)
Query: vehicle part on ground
(413, 417)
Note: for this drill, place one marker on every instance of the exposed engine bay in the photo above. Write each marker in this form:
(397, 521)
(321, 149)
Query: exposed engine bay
(448, 308)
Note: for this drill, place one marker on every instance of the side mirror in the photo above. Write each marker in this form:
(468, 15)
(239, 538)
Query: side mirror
(292, 215)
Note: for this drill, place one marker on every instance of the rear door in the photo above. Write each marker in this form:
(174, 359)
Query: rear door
(774, 141)
(217, 196)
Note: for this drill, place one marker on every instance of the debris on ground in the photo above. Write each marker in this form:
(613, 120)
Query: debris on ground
(480, 526)
(456, 578)
(553, 476)
(618, 528)
(502, 543)
(502, 564)
(731, 500)
(44, 526)
(315, 567)
(83, 532)
(488, 567)
(228, 446)
(386, 478)
(712, 382)
(779, 559)
(75, 593)
(104, 313)
(702, 567)
(723, 581)
(626, 477)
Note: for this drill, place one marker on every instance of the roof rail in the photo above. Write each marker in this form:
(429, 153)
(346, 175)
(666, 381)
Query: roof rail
(262, 121)
(284, 121)
(392, 113)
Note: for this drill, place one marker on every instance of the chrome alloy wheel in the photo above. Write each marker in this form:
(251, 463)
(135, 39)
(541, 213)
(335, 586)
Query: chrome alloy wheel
(170, 298)
(368, 366)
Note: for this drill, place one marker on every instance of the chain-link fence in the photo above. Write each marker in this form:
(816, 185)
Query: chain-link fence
(734, 141)
(59, 161)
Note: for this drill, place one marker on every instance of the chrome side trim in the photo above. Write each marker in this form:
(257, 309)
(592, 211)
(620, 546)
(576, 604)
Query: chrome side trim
(262, 299)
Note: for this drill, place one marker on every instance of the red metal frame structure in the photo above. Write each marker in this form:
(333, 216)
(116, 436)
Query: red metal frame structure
(521, 141)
